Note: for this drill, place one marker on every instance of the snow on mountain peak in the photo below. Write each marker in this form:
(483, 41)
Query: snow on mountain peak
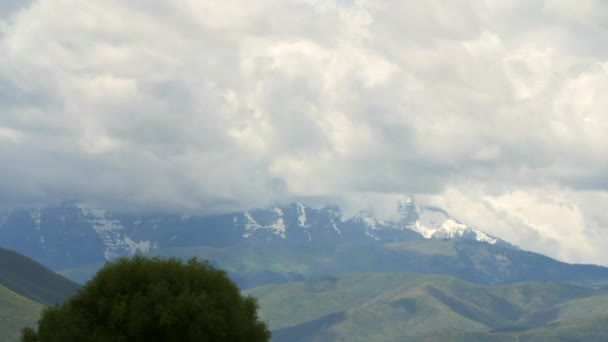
(435, 223)
(92, 212)
(279, 225)
(302, 216)
(432, 217)
(368, 220)
(451, 229)
(111, 233)
(294, 221)
(276, 228)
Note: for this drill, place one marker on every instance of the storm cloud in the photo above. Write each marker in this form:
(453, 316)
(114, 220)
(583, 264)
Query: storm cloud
(495, 110)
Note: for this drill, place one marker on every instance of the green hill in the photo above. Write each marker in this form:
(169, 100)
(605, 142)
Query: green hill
(28, 278)
(25, 288)
(589, 329)
(16, 312)
(396, 307)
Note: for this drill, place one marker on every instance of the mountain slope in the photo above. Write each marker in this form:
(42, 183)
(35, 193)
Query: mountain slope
(587, 328)
(29, 279)
(25, 288)
(256, 264)
(16, 312)
(394, 307)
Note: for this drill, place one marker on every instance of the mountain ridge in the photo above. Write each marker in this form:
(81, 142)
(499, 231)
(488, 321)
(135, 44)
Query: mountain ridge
(282, 244)
(73, 233)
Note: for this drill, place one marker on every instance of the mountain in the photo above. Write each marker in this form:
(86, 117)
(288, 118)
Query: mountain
(449, 265)
(435, 223)
(72, 235)
(259, 263)
(25, 287)
(397, 307)
(287, 243)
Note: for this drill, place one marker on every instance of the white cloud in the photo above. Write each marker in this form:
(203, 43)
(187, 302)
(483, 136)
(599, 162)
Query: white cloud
(562, 223)
(11, 135)
(207, 106)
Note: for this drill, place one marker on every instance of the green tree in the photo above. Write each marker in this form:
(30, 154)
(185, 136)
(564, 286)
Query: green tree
(142, 299)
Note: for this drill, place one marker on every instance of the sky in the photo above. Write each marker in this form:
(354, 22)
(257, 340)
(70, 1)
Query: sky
(495, 111)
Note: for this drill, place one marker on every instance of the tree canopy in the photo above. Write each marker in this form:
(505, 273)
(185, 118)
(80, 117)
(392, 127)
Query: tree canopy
(142, 299)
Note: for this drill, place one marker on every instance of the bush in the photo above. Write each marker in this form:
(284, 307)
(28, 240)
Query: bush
(141, 299)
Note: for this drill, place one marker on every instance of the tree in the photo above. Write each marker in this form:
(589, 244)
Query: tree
(142, 299)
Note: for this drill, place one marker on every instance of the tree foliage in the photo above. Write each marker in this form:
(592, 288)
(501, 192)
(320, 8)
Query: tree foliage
(141, 299)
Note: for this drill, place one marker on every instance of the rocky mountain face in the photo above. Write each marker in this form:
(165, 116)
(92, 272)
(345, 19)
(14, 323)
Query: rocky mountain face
(73, 234)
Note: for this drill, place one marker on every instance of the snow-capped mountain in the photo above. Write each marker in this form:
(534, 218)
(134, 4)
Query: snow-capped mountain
(70, 234)
(435, 223)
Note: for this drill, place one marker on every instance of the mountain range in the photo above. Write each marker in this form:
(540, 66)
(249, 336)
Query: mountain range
(321, 275)
(71, 234)
(280, 244)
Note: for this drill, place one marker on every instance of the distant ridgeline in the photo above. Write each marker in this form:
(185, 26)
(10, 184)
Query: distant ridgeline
(282, 243)
(72, 234)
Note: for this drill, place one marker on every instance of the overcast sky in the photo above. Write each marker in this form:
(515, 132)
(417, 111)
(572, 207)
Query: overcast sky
(496, 111)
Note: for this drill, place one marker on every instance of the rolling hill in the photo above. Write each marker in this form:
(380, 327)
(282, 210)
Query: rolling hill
(16, 312)
(25, 288)
(396, 307)
(30, 279)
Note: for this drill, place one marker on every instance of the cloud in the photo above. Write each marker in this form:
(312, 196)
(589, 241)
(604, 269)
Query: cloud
(10, 135)
(562, 223)
(10, 7)
(203, 106)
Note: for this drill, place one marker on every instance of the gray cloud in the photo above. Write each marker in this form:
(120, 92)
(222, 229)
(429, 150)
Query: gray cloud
(9, 8)
(204, 107)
